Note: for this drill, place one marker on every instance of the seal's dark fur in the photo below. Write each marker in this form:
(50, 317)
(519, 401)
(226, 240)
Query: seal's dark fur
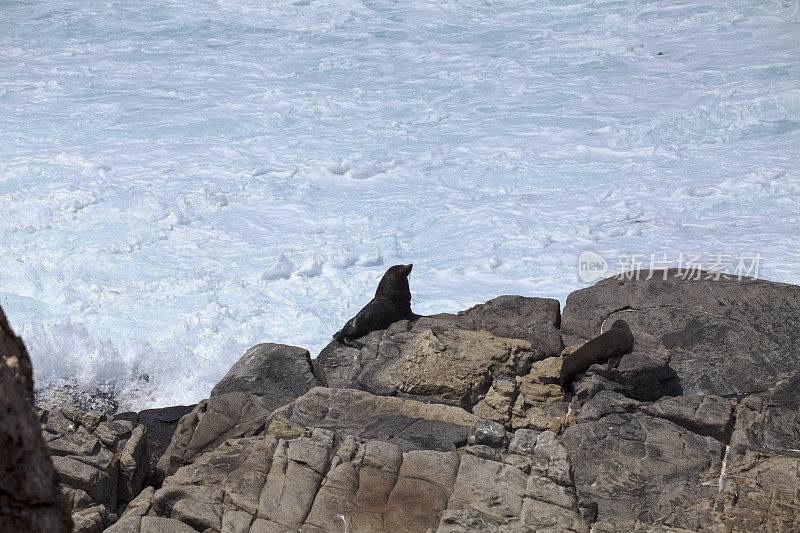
(392, 302)
(618, 340)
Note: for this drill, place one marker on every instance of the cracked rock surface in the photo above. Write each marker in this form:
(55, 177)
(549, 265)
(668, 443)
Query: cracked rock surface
(457, 423)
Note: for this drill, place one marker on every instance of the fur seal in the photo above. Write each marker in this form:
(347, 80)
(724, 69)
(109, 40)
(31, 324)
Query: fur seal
(392, 302)
(618, 340)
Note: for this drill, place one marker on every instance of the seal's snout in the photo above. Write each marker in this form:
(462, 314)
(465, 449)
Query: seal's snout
(407, 269)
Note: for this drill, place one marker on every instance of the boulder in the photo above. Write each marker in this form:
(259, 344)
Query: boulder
(713, 335)
(274, 372)
(30, 499)
(265, 378)
(491, 342)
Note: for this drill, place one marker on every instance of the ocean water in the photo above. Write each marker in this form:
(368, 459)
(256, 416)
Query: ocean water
(184, 179)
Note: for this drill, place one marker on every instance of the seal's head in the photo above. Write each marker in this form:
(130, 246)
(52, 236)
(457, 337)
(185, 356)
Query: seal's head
(394, 284)
(621, 325)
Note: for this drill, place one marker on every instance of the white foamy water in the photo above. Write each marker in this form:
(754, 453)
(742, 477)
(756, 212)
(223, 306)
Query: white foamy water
(184, 179)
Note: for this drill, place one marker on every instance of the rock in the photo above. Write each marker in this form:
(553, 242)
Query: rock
(488, 433)
(422, 490)
(111, 433)
(141, 504)
(638, 468)
(273, 371)
(706, 415)
(523, 442)
(464, 521)
(606, 403)
(502, 337)
(723, 337)
(339, 366)
(406, 423)
(768, 423)
(101, 470)
(90, 479)
(499, 400)
(304, 483)
(89, 520)
(761, 497)
(265, 378)
(132, 465)
(493, 489)
(29, 495)
(448, 365)
(540, 403)
(484, 452)
(161, 425)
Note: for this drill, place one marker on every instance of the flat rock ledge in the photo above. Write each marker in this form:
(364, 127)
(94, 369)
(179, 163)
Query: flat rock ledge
(456, 423)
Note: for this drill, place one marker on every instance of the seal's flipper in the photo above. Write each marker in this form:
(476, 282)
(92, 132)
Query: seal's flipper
(613, 361)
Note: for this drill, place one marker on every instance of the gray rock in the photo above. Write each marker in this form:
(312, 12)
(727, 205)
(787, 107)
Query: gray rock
(265, 378)
(536, 320)
(638, 468)
(273, 371)
(483, 451)
(153, 524)
(140, 505)
(88, 520)
(90, 479)
(487, 433)
(132, 465)
(464, 521)
(606, 403)
(723, 337)
(74, 443)
(704, 415)
(407, 423)
(111, 433)
(29, 498)
(263, 483)
(523, 442)
(161, 425)
(761, 497)
(768, 423)
(551, 460)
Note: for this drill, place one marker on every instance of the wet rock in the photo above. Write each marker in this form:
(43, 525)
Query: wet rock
(161, 424)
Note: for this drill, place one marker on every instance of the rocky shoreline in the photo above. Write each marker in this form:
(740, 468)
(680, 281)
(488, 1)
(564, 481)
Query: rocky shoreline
(452, 423)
